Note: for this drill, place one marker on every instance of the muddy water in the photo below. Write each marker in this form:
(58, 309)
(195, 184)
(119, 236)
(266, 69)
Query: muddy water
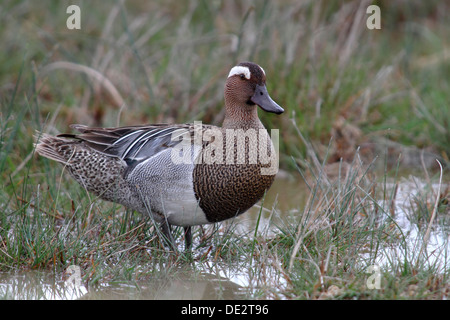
(288, 197)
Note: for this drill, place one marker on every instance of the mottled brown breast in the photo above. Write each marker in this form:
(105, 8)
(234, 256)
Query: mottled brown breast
(227, 190)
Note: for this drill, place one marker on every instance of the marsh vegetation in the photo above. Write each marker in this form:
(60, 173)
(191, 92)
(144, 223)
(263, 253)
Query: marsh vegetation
(367, 115)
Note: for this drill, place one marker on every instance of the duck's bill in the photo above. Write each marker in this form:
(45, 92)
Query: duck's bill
(262, 99)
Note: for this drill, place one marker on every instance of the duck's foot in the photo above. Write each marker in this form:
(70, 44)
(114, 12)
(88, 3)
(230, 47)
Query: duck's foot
(166, 230)
(188, 238)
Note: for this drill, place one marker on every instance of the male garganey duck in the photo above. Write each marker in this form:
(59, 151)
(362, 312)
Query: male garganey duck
(180, 174)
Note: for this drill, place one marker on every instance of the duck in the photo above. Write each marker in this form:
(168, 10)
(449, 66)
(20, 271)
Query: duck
(179, 174)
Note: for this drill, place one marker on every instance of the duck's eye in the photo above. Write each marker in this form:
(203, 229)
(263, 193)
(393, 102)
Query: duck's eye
(242, 76)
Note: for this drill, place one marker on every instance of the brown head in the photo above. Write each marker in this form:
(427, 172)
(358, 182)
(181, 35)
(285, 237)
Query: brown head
(245, 88)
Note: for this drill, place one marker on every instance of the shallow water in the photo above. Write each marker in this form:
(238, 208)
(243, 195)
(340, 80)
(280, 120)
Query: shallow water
(223, 282)
(44, 285)
(436, 254)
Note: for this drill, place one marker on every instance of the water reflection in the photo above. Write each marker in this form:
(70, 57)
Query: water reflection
(188, 286)
(37, 285)
(44, 285)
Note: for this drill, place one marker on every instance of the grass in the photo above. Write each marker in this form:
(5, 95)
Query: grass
(137, 63)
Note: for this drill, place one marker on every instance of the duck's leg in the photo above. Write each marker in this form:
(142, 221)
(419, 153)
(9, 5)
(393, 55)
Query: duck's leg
(167, 233)
(188, 238)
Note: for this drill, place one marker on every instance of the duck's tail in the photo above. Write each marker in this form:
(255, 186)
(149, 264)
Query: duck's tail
(55, 148)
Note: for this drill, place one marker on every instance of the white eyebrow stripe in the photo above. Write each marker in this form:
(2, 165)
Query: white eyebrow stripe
(262, 70)
(240, 70)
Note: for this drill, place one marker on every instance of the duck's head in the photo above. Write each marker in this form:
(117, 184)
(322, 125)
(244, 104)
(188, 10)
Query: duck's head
(246, 87)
